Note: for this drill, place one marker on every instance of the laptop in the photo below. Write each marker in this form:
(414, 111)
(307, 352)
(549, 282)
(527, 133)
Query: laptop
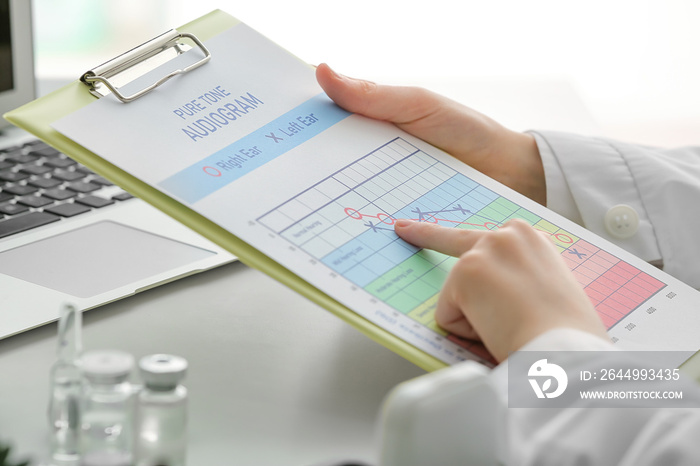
(66, 233)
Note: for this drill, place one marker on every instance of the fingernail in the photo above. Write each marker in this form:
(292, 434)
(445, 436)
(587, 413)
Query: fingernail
(333, 72)
(402, 223)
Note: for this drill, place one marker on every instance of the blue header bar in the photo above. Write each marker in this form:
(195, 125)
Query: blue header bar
(255, 150)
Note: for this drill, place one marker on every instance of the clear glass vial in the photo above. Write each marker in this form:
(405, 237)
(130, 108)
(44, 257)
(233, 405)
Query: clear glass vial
(66, 390)
(161, 412)
(107, 436)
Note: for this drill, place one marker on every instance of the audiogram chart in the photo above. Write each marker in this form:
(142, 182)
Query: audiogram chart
(346, 222)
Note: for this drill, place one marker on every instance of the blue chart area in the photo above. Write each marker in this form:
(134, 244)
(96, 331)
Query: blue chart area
(346, 221)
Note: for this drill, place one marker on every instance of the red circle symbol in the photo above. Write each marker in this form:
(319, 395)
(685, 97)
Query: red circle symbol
(353, 213)
(564, 238)
(211, 171)
(385, 219)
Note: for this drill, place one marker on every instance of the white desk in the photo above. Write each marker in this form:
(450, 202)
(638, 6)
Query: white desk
(273, 380)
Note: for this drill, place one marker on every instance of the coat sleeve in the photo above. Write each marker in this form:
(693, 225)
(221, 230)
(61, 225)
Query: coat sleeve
(587, 433)
(587, 176)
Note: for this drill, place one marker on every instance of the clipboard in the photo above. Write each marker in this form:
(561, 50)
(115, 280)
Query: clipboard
(36, 117)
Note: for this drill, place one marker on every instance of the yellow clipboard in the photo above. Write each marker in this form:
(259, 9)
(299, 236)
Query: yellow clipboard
(37, 116)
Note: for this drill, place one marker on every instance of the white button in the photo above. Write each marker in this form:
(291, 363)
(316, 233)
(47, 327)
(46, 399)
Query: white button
(622, 221)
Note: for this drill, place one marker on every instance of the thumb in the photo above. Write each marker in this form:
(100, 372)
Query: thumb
(397, 104)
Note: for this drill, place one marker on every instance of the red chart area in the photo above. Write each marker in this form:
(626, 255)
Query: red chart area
(615, 287)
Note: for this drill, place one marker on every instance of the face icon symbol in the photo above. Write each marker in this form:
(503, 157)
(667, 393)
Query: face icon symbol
(546, 372)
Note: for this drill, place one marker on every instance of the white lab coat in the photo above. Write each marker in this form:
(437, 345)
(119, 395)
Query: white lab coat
(585, 178)
(587, 435)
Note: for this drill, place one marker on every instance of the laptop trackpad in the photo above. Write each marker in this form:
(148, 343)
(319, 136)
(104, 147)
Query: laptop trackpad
(97, 258)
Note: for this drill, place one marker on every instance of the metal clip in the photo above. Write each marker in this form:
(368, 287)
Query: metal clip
(110, 76)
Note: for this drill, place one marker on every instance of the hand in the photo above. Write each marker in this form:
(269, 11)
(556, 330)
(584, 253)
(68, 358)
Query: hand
(504, 155)
(508, 287)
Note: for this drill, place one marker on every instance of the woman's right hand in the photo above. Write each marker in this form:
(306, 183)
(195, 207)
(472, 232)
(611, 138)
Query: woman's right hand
(509, 286)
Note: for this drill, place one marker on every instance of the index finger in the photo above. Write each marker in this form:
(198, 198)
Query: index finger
(450, 241)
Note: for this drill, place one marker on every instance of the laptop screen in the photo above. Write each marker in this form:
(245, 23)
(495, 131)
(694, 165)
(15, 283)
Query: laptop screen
(16, 55)
(6, 73)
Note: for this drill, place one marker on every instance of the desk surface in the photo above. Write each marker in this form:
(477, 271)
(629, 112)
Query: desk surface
(273, 379)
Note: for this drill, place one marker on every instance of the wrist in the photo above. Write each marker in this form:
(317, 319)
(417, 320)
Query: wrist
(527, 334)
(567, 338)
(526, 174)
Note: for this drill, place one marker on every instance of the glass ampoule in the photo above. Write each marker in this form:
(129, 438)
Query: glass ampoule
(66, 390)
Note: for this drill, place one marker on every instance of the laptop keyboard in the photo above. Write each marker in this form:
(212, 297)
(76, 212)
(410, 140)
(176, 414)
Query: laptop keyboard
(39, 185)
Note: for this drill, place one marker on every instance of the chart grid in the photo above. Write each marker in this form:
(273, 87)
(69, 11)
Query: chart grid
(346, 221)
